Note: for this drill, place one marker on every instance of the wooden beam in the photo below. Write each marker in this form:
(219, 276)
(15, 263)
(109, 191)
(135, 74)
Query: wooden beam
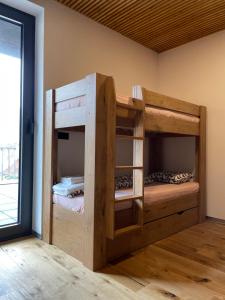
(110, 98)
(161, 123)
(166, 102)
(202, 165)
(72, 90)
(71, 117)
(95, 173)
(49, 170)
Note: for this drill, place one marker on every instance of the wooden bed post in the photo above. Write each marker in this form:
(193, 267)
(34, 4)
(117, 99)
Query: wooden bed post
(95, 173)
(202, 164)
(49, 165)
(110, 98)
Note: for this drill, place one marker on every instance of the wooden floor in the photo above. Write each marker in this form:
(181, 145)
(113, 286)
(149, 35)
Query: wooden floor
(189, 265)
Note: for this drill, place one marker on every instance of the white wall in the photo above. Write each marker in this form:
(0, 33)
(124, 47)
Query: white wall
(196, 73)
(76, 46)
(178, 154)
(71, 155)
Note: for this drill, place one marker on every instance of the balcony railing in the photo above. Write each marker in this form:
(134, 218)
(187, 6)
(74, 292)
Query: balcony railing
(9, 163)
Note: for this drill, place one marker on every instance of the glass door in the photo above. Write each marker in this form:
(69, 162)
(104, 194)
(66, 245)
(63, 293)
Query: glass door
(16, 121)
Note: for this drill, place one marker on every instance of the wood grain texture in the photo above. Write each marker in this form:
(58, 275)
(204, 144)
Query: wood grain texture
(95, 172)
(187, 265)
(70, 118)
(110, 99)
(202, 164)
(41, 271)
(81, 236)
(161, 123)
(160, 209)
(170, 125)
(152, 232)
(162, 101)
(49, 169)
(157, 24)
(67, 232)
(69, 91)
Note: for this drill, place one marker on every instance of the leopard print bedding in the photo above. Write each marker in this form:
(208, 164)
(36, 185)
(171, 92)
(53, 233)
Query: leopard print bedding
(171, 177)
(126, 181)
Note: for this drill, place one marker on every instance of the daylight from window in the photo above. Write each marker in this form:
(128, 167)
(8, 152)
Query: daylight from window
(10, 67)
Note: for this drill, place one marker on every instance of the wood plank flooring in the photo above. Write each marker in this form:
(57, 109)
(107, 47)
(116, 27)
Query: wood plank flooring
(189, 265)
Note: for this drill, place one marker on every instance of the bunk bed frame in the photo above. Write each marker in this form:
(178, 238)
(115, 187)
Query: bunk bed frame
(92, 236)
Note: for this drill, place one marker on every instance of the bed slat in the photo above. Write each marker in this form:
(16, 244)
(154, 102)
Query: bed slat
(71, 117)
(202, 164)
(128, 198)
(166, 102)
(49, 168)
(159, 123)
(171, 125)
(72, 90)
(127, 229)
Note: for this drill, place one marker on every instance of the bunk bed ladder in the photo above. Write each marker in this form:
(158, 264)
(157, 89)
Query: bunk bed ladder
(137, 197)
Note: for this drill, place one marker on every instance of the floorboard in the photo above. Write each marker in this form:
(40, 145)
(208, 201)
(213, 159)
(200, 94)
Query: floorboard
(189, 265)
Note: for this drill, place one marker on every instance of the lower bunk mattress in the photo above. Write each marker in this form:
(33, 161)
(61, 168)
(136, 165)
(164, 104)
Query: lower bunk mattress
(159, 200)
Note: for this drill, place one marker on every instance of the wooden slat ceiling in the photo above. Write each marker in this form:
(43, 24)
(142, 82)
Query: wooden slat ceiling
(157, 24)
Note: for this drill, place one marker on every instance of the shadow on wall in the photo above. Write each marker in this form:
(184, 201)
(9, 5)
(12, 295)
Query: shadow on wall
(177, 154)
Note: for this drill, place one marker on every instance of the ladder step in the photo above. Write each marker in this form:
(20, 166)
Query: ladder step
(129, 167)
(124, 136)
(127, 229)
(128, 198)
(125, 128)
(129, 106)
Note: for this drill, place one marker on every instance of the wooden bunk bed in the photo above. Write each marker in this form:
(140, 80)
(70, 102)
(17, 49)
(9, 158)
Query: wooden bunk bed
(102, 232)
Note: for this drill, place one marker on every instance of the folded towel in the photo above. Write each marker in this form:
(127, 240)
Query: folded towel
(66, 190)
(72, 180)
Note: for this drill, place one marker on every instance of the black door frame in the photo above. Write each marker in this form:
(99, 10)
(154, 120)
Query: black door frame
(27, 23)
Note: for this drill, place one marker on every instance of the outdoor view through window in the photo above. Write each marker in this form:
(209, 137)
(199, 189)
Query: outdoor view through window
(10, 90)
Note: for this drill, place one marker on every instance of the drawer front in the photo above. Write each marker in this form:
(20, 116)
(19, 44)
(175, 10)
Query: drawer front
(168, 207)
(152, 232)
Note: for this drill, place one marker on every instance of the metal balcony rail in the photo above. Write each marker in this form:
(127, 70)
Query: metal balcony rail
(8, 162)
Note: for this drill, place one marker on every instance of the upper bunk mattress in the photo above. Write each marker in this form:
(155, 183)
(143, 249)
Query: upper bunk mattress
(154, 193)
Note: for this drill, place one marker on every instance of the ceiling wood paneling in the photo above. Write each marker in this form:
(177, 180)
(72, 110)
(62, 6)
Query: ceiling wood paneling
(157, 24)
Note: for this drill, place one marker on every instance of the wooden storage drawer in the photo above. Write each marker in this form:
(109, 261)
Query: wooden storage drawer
(167, 207)
(152, 232)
